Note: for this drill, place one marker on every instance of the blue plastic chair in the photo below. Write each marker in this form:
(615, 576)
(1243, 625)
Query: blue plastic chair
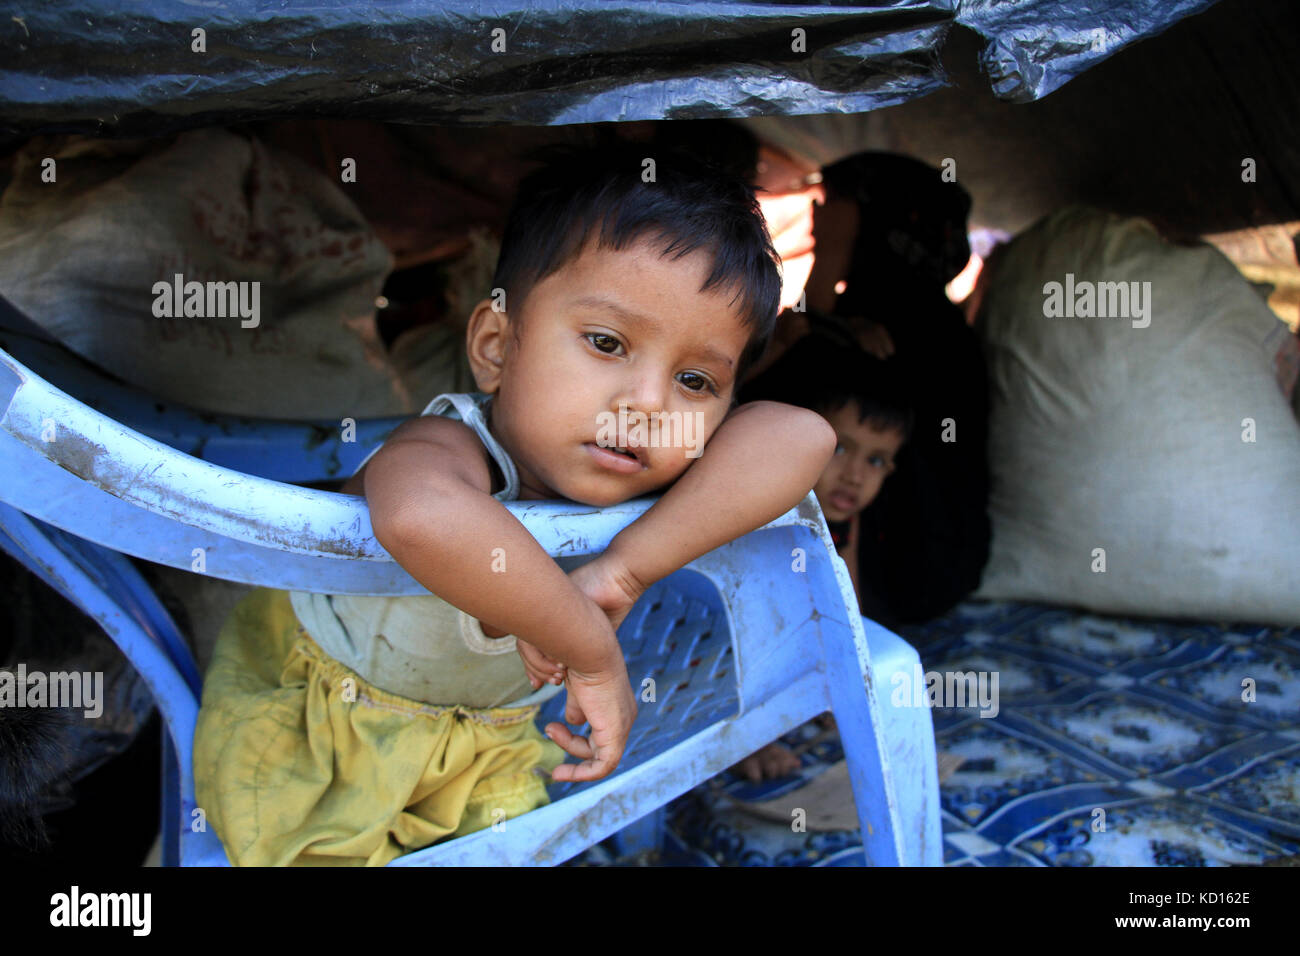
(741, 646)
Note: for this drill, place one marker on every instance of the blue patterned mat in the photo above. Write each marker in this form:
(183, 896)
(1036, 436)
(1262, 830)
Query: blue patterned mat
(1116, 743)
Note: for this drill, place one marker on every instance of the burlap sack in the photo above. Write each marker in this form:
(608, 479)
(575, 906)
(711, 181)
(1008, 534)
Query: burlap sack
(81, 256)
(1139, 469)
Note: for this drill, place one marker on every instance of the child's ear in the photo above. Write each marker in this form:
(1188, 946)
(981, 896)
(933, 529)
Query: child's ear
(485, 339)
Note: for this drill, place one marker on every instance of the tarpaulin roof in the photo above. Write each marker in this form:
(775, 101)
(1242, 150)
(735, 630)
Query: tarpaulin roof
(101, 66)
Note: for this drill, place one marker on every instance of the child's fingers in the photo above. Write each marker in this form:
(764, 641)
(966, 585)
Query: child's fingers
(573, 712)
(582, 772)
(533, 657)
(593, 766)
(568, 741)
(534, 676)
(548, 675)
(538, 677)
(539, 668)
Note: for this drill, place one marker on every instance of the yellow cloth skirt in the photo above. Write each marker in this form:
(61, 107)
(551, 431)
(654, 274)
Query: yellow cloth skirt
(298, 761)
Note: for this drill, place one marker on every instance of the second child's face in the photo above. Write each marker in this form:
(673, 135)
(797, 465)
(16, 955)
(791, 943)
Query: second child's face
(613, 328)
(864, 458)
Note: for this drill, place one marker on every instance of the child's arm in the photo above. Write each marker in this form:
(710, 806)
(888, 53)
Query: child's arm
(430, 507)
(761, 462)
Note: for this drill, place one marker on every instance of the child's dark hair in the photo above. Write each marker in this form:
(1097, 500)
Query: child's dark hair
(690, 204)
(824, 372)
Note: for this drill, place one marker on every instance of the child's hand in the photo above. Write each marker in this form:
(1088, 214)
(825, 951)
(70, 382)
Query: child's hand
(608, 583)
(602, 697)
(540, 668)
(605, 700)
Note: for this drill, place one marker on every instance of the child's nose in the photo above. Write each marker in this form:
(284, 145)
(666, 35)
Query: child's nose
(645, 392)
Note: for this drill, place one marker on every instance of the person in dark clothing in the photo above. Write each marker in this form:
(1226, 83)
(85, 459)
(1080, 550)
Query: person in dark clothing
(862, 399)
(901, 238)
(868, 406)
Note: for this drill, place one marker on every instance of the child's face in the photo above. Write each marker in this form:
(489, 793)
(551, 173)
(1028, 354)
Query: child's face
(611, 327)
(864, 457)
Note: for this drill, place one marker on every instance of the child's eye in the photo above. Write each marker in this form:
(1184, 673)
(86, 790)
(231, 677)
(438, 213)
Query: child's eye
(840, 449)
(877, 462)
(696, 382)
(603, 343)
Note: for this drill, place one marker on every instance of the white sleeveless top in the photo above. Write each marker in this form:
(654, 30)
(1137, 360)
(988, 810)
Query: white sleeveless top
(419, 646)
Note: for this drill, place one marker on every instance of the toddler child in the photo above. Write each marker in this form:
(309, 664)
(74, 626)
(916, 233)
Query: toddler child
(342, 729)
(862, 399)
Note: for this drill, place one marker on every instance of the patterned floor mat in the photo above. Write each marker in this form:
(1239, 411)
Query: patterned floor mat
(1115, 743)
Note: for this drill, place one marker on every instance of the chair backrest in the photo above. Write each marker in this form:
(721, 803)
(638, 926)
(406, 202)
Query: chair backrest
(298, 452)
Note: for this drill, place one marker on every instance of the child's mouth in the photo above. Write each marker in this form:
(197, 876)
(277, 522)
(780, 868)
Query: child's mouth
(843, 502)
(623, 461)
